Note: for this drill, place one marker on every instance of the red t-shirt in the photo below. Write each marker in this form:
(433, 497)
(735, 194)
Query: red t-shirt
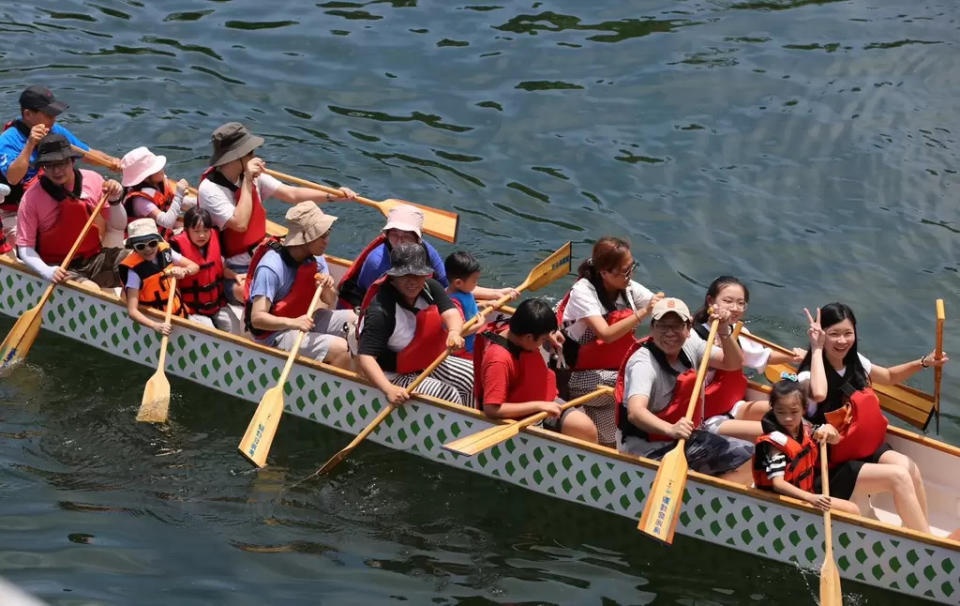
(497, 373)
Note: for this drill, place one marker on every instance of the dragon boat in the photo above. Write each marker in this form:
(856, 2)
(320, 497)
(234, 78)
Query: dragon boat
(873, 550)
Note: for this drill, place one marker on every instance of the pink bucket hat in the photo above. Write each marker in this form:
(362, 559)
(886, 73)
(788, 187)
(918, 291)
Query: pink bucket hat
(138, 164)
(405, 218)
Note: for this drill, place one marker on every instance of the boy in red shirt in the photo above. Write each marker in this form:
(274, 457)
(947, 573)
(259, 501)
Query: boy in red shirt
(513, 380)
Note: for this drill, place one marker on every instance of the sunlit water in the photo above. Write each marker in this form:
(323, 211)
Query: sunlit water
(808, 147)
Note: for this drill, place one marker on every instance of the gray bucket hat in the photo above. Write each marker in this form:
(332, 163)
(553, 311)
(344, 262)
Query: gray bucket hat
(55, 148)
(409, 259)
(232, 141)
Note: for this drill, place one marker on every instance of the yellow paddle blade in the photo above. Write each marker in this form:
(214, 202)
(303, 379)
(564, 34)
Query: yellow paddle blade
(660, 512)
(830, 589)
(19, 340)
(909, 404)
(482, 440)
(553, 267)
(155, 404)
(439, 223)
(258, 438)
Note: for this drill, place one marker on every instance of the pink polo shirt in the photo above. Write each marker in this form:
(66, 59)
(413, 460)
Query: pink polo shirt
(38, 211)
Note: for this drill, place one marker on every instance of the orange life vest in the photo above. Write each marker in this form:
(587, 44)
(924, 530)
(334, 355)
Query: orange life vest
(155, 285)
(351, 295)
(239, 242)
(675, 410)
(598, 354)
(54, 245)
(530, 379)
(862, 427)
(801, 459)
(296, 302)
(203, 291)
(726, 389)
(429, 337)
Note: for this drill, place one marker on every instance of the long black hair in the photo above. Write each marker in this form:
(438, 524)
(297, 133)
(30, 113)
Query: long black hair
(702, 314)
(782, 389)
(608, 255)
(855, 374)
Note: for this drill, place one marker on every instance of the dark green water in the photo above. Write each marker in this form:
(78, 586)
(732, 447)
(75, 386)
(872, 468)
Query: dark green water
(809, 147)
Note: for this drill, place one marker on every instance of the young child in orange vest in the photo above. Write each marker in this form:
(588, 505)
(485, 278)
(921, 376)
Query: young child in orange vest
(146, 274)
(786, 458)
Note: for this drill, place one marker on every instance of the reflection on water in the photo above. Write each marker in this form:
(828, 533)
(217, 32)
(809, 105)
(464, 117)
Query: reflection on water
(806, 146)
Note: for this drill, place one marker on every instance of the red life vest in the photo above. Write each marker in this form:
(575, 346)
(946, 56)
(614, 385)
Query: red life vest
(54, 244)
(350, 293)
(203, 291)
(726, 389)
(530, 379)
(4, 245)
(429, 337)
(801, 459)
(598, 354)
(155, 285)
(296, 302)
(862, 427)
(239, 242)
(675, 410)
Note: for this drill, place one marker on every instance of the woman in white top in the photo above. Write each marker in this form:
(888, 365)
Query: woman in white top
(728, 413)
(598, 317)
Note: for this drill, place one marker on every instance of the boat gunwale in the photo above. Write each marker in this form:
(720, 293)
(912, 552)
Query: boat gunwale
(605, 451)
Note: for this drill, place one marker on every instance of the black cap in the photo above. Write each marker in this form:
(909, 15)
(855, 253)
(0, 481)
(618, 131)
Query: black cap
(55, 148)
(39, 98)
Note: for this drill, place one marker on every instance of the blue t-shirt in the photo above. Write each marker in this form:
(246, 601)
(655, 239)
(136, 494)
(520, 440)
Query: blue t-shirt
(469, 304)
(12, 143)
(273, 279)
(378, 262)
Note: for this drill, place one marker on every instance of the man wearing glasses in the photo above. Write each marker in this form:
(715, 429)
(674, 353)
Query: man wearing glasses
(656, 382)
(283, 280)
(54, 210)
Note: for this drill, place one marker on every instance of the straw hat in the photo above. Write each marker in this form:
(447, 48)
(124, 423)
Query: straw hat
(141, 230)
(306, 223)
(138, 164)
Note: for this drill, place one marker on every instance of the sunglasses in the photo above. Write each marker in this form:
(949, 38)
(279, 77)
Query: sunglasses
(626, 273)
(142, 246)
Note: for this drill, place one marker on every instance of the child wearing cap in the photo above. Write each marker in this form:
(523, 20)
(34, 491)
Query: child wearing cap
(149, 192)
(18, 147)
(146, 274)
(233, 189)
(653, 392)
(463, 272)
(282, 282)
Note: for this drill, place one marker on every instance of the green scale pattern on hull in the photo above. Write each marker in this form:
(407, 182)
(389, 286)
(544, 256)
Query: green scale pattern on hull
(731, 519)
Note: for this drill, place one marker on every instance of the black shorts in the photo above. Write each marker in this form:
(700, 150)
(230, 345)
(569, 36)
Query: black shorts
(843, 477)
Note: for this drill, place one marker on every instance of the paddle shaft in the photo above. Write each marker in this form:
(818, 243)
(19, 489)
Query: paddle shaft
(291, 357)
(168, 313)
(73, 249)
(938, 371)
(829, 579)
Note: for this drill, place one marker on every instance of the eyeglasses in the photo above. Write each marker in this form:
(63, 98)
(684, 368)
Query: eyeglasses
(668, 328)
(735, 303)
(625, 273)
(56, 165)
(142, 246)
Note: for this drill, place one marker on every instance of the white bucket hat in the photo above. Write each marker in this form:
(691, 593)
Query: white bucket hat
(141, 230)
(138, 164)
(405, 218)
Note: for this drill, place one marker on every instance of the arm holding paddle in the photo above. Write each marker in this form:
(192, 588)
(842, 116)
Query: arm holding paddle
(609, 333)
(729, 356)
(19, 167)
(901, 372)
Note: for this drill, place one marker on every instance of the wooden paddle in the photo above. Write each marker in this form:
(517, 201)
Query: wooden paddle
(830, 594)
(258, 438)
(155, 403)
(914, 406)
(442, 224)
(660, 513)
(551, 268)
(938, 371)
(19, 340)
(482, 440)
